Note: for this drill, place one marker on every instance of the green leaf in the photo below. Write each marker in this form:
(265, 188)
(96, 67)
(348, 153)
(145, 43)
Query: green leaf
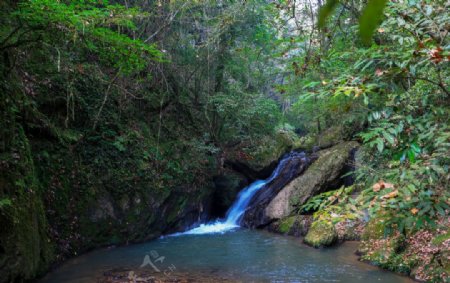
(411, 156)
(5, 202)
(380, 144)
(415, 147)
(325, 11)
(370, 19)
(389, 137)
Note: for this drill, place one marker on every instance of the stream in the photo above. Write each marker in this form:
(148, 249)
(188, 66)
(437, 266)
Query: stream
(225, 252)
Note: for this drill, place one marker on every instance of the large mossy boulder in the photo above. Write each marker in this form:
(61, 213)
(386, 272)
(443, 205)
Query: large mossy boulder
(324, 174)
(330, 137)
(321, 234)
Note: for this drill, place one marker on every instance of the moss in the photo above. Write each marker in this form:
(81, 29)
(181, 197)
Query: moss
(269, 149)
(320, 234)
(307, 142)
(330, 136)
(384, 252)
(441, 238)
(375, 229)
(286, 224)
(25, 246)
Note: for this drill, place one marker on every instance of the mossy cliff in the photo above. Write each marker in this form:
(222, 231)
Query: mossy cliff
(59, 199)
(25, 248)
(66, 188)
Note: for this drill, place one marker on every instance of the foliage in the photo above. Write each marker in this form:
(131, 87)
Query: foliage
(5, 202)
(128, 109)
(94, 25)
(393, 96)
(368, 22)
(333, 206)
(134, 107)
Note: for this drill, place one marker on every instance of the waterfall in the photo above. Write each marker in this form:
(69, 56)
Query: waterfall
(237, 210)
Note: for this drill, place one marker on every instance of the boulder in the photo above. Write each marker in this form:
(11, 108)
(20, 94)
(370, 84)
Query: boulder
(288, 169)
(321, 234)
(323, 175)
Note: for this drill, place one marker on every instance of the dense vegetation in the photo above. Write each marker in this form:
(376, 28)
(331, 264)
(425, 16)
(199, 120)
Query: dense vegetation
(133, 106)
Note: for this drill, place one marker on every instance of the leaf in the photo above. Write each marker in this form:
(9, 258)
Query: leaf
(415, 148)
(392, 194)
(376, 187)
(325, 11)
(380, 144)
(370, 19)
(389, 138)
(411, 156)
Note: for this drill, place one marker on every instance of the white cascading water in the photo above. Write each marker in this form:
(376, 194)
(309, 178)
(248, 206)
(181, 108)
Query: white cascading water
(236, 211)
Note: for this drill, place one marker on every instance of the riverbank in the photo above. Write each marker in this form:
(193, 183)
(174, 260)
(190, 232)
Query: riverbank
(423, 255)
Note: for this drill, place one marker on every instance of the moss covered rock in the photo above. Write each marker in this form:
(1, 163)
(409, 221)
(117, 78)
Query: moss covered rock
(321, 234)
(296, 225)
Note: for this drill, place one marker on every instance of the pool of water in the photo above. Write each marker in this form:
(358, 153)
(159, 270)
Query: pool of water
(246, 255)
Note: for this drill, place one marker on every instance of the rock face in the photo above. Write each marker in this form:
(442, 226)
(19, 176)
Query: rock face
(275, 202)
(24, 246)
(226, 189)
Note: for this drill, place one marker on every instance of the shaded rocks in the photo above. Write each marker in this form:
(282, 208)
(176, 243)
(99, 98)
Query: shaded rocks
(325, 139)
(226, 189)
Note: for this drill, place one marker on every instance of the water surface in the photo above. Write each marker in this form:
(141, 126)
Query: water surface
(245, 255)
